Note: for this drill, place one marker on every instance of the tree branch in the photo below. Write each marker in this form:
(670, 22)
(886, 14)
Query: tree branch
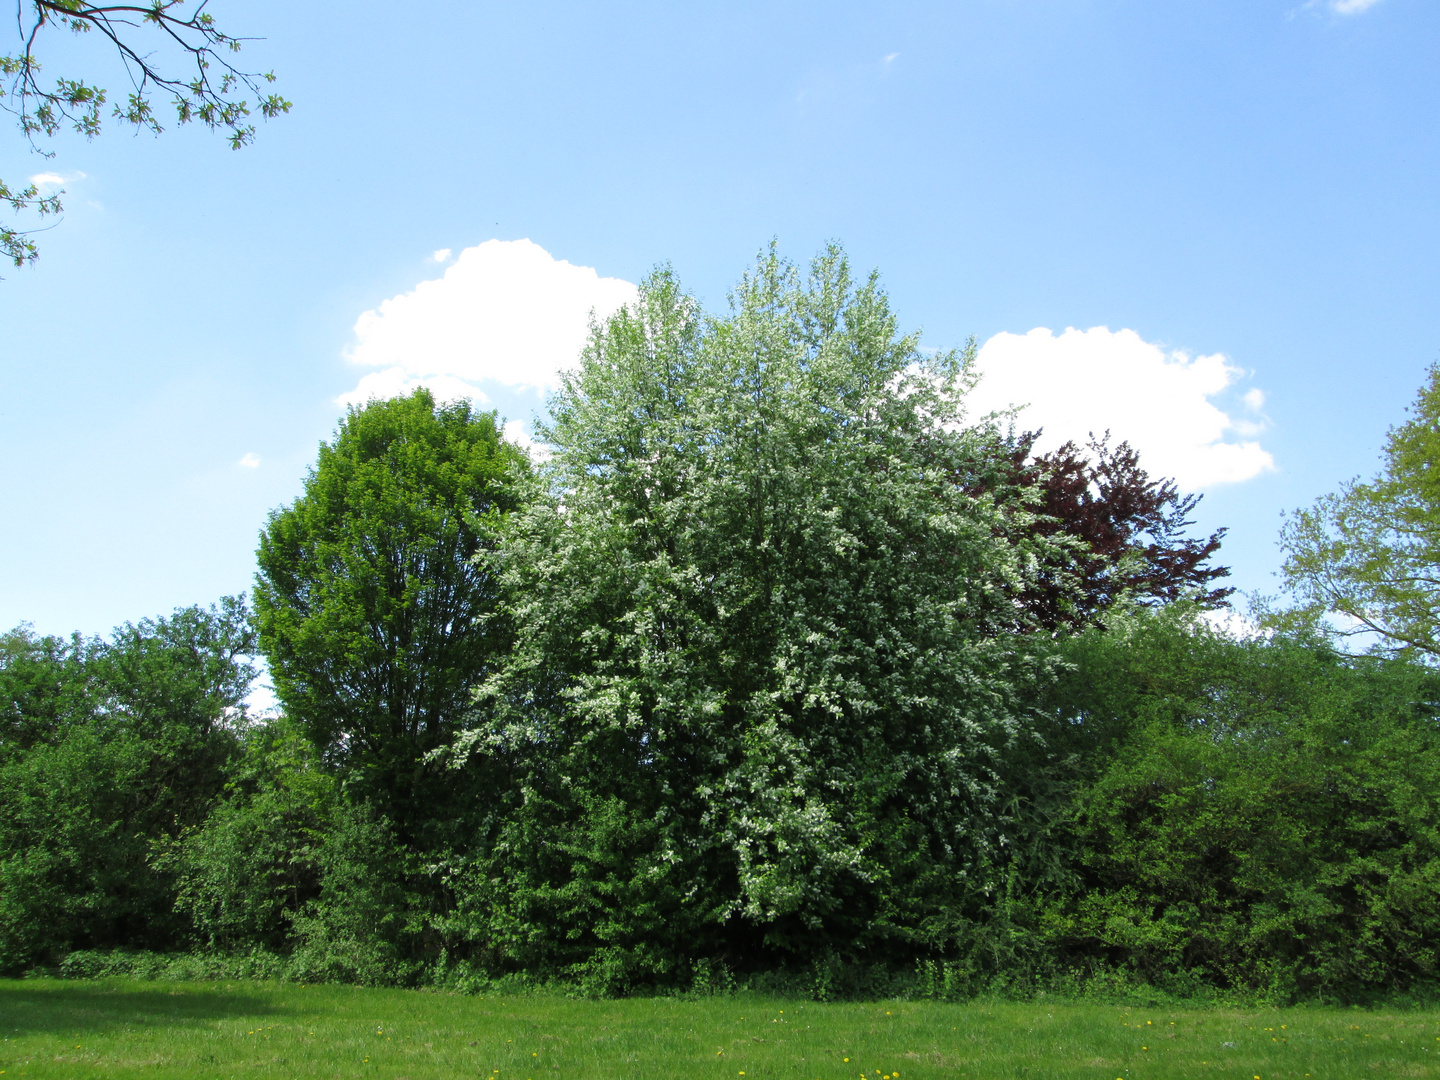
(215, 102)
(217, 93)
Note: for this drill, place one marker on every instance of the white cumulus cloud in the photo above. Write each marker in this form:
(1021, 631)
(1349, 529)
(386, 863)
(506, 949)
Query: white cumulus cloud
(517, 432)
(506, 311)
(249, 461)
(1084, 381)
(398, 382)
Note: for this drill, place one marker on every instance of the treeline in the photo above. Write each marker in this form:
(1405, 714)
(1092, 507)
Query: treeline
(781, 667)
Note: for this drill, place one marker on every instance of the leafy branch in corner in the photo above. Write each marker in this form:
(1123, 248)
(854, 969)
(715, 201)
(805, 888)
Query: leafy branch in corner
(15, 245)
(204, 86)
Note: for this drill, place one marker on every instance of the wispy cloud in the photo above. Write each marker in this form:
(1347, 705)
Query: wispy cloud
(249, 461)
(831, 88)
(54, 179)
(1351, 7)
(506, 311)
(1084, 381)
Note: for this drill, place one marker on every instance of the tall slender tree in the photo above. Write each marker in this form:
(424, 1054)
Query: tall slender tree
(374, 615)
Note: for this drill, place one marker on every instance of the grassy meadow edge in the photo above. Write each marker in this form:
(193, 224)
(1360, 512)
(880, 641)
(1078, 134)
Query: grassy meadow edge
(122, 1028)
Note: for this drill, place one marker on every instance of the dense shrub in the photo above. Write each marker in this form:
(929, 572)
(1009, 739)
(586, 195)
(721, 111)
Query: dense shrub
(244, 874)
(1261, 814)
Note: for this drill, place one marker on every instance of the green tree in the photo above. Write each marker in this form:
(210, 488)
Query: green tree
(373, 613)
(110, 749)
(1371, 551)
(204, 87)
(767, 654)
(42, 688)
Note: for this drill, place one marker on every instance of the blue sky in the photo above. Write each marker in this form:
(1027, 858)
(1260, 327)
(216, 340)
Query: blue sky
(1233, 205)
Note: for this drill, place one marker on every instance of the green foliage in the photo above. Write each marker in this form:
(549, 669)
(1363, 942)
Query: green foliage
(367, 925)
(244, 874)
(1371, 552)
(767, 657)
(374, 618)
(143, 37)
(15, 245)
(43, 688)
(772, 677)
(110, 747)
(1261, 814)
(73, 843)
(287, 865)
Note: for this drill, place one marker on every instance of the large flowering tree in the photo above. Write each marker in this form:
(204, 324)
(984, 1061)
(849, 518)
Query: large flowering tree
(767, 648)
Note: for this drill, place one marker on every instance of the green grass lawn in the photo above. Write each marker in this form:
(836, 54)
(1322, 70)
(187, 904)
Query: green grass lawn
(117, 1028)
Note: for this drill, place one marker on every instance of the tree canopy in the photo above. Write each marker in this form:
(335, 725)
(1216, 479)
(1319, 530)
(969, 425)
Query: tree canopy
(1371, 551)
(782, 671)
(1128, 530)
(372, 612)
(108, 748)
(767, 652)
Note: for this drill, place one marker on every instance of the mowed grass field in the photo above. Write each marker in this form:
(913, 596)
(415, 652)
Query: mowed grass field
(116, 1028)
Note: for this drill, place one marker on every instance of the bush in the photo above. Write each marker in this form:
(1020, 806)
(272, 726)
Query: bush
(1260, 814)
(244, 874)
